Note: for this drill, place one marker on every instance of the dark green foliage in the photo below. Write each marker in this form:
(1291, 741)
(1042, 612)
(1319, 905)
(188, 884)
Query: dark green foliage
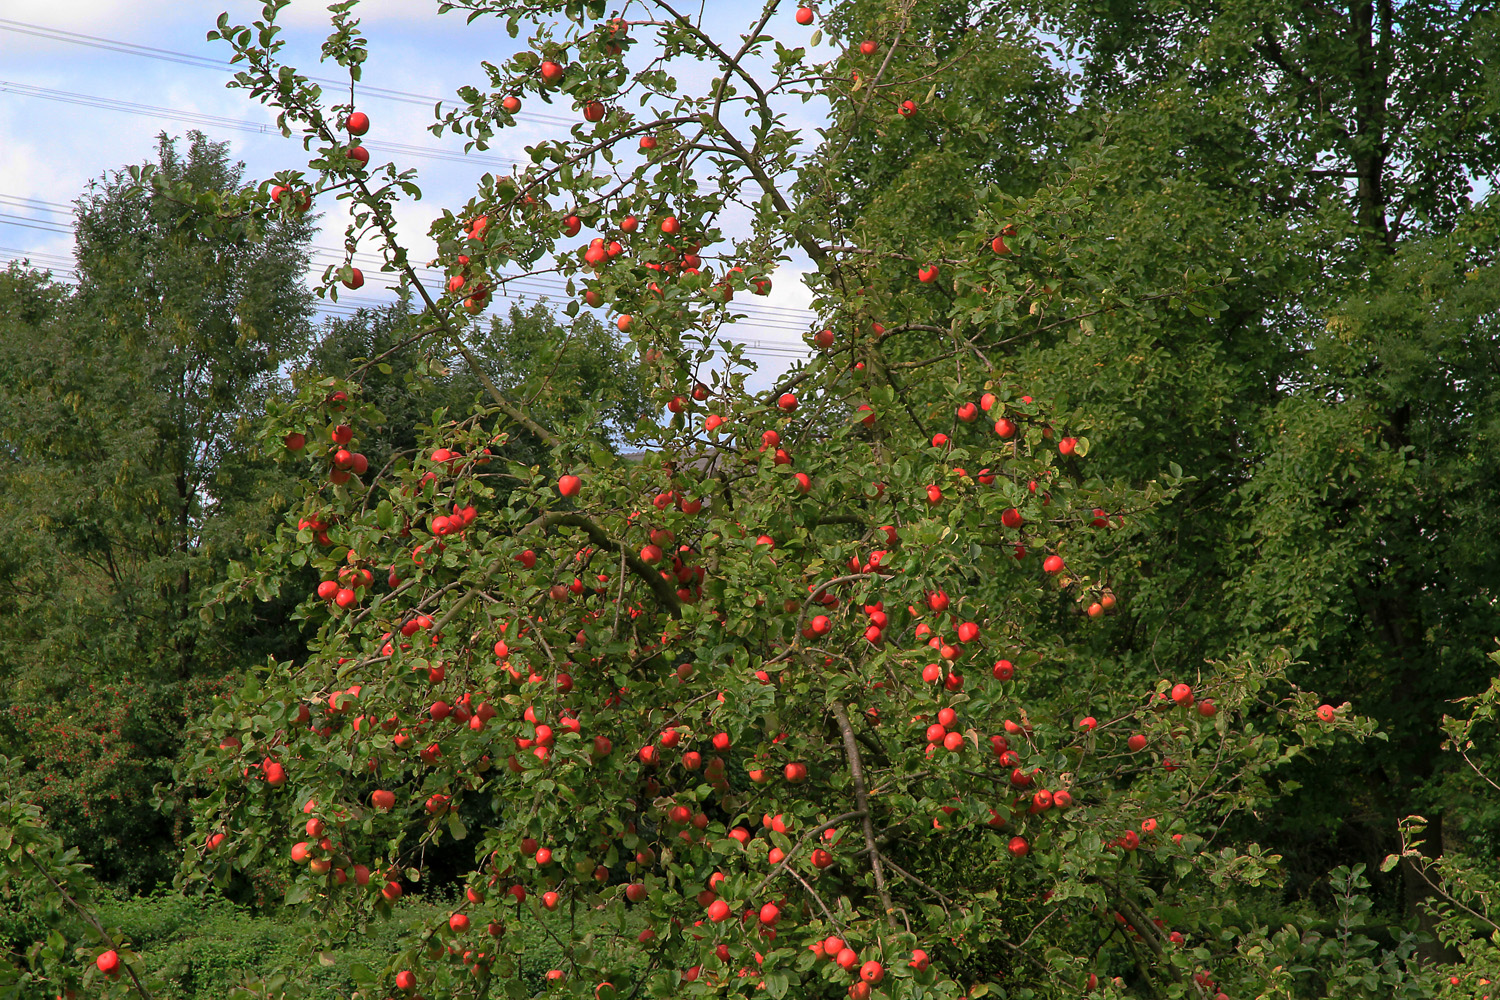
(124, 413)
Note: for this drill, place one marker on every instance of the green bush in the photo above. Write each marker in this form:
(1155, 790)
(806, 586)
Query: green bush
(202, 948)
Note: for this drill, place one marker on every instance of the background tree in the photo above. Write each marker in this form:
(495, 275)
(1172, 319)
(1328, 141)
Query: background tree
(125, 406)
(1311, 472)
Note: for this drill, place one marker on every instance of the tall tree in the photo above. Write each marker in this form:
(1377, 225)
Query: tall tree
(124, 409)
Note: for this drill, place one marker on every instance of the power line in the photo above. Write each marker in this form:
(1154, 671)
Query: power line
(204, 62)
(56, 207)
(7, 219)
(774, 317)
(220, 121)
(345, 310)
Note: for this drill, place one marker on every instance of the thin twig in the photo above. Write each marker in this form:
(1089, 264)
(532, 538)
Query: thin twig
(93, 922)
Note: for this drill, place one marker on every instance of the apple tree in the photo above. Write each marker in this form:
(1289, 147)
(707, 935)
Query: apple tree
(768, 693)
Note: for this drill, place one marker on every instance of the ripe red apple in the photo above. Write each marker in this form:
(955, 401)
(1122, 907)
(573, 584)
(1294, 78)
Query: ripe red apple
(927, 275)
(1052, 564)
(867, 48)
(908, 108)
(109, 963)
(648, 142)
(787, 402)
(1136, 743)
(295, 441)
(406, 980)
(356, 278)
(1182, 694)
(1067, 445)
(919, 960)
(1207, 708)
(459, 923)
(593, 111)
(358, 123)
(569, 486)
(968, 413)
(1018, 847)
(796, 773)
(1005, 428)
(360, 155)
(824, 339)
(1326, 713)
(511, 104)
(551, 72)
(670, 225)
(804, 15)
(872, 972)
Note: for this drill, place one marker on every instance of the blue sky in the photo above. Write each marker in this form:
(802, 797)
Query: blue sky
(72, 106)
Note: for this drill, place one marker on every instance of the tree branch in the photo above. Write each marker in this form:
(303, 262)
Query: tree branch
(862, 802)
(661, 588)
(93, 922)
